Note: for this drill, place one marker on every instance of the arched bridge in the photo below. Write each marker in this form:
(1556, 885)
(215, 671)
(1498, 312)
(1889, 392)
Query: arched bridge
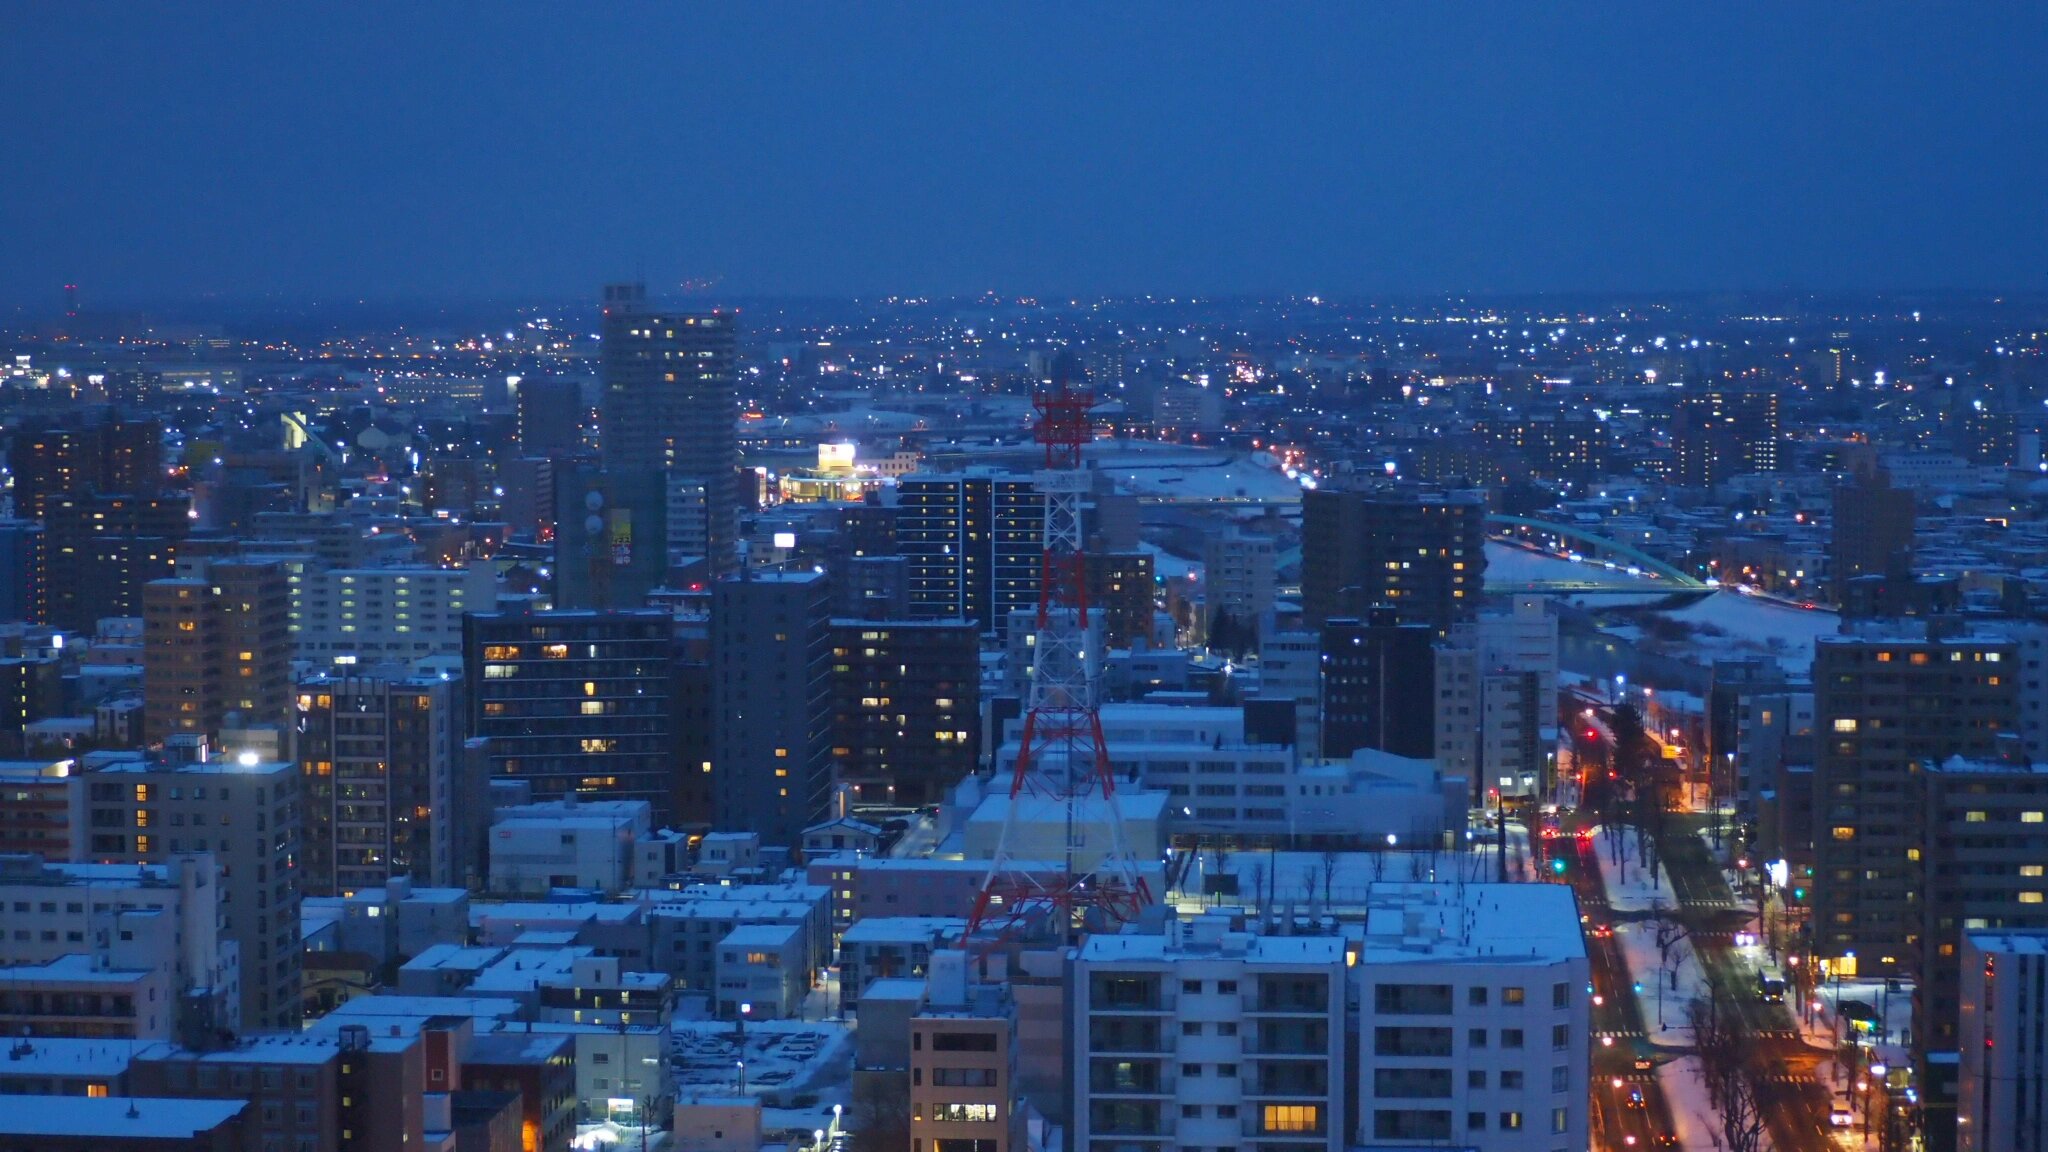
(1649, 566)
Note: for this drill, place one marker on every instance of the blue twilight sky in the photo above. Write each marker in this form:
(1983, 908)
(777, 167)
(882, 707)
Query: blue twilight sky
(489, 151)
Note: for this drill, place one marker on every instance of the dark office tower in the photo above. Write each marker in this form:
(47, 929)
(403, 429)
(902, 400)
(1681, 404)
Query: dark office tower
(93, 453)
(31, 689)
(696, 803)
(24, 572)
(550, 418)
(379, 757)
(1886, 707)
(1121, 595)
(578, 702)
(101, 550)
(906, 708)
(671, 405)
(610, 549)
(1418, 551)
(216, 643)
(1716, 435)
(870, 587)
(1379, 686)
(771, 663)
(974, 542)
(1873, 530)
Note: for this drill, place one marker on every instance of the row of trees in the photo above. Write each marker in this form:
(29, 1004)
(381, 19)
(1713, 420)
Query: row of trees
(1732, 1081)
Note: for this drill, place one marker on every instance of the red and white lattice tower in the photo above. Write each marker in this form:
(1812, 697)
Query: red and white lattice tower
(1062, 771)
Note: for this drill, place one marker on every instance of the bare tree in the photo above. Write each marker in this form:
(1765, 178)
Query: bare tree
(1725, 1069)
(881, 1115)
(1330, 862)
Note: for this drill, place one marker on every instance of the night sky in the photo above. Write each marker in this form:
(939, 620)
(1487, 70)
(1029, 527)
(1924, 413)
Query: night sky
(173, 152)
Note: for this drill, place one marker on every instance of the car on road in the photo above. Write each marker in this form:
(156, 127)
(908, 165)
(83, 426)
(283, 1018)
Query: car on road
(1635, 1098)
(1840, 1115)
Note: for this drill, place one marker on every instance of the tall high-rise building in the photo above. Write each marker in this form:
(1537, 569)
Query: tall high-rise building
(2004, 1042)
(1886, 707)
(906, 708)
(578, 702)
(550, 417)
(1872, 530)
(101, 550)
(1982, 862)
(771, 663)
(242, 810)
(100, 454)
(1122, 596)
(216, 642)
(1496, 700)
(24, 572)
(380, 757)
(973, 542)
(671, 405)
(1420, 552)
(1379, 686)
(1239, 571)
(1716, 435)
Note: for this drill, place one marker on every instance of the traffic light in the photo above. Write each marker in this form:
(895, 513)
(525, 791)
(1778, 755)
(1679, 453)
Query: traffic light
(1557, 865)
(1799, 893)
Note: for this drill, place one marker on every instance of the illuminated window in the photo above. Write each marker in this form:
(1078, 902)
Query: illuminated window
(1975, 816)
(1292, 1118)
(555, 651)
(2030, 817)
(782, 753)
(593, 707)
(2030, 897)
(2030, 869)
(96, 1091)
(1844, 833)
(1845, 725)
(597, 744)
(500, 671)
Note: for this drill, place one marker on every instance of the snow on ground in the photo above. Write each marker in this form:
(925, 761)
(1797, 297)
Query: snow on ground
(1696, 1122)
(1825, 1026)
(1757, 624)
(1638, 940)
(1628, 883)
(1167, 566)
(785, 1059)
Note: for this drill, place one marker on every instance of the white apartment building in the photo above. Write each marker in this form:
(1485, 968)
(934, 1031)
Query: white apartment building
(243, 810)
(1291, 668)
(397, 614)
(566, 844)
(164, 919)
(1496, 699)
(1474, 1018)
(1208, 1036)
(1239, 574)
(2002, 1089)
(1218, 784)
